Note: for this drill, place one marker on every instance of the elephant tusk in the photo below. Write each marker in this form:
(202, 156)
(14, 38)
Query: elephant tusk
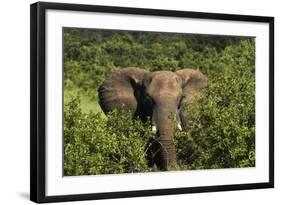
(179, 126)
(154, 128)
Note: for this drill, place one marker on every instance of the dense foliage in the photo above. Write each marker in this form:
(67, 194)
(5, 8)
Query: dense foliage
(97, 145)
(221, 129)
(90, 54)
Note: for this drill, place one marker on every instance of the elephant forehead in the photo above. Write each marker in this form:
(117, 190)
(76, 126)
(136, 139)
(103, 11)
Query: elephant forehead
(164, 73)
(165, 90)
(168, 85)
(163, 82)
(164, 76)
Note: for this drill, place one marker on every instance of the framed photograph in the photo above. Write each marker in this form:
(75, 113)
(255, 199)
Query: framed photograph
(129, 102)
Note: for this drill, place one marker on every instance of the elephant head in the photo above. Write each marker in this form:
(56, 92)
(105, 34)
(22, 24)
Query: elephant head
(160, 95)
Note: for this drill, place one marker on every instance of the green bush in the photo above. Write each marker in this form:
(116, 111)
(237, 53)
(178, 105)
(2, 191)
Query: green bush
(90, 54)
(94, 144)
(221, 128)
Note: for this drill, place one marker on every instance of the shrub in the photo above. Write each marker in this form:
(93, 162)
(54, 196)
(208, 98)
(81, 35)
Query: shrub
(94, 144)
(90, 54)
(221, 128)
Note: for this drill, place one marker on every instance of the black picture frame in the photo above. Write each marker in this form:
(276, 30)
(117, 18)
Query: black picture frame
(38, 101)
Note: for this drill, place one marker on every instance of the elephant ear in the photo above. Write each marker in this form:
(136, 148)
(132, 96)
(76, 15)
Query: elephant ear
(192, 82)
(121, 89)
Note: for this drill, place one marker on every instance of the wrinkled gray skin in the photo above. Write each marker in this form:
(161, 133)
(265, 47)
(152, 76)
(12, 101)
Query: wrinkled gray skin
(159, 95)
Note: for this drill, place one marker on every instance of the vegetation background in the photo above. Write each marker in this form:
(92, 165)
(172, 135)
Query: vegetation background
(222, 129)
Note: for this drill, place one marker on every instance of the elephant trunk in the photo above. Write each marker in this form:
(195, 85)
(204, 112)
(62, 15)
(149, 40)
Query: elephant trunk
(165, 124)
(167, 150)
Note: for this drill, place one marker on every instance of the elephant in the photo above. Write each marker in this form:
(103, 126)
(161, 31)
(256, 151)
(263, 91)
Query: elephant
(156, 95)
